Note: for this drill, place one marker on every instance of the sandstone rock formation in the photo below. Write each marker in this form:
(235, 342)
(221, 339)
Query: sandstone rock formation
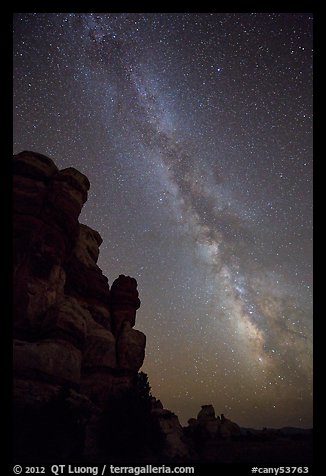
(124, 302)
(228, 428)
(175, 446)
(69, 329)
(207, 421)
(207, 426)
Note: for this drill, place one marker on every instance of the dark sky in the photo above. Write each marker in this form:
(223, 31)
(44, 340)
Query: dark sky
(195, 131)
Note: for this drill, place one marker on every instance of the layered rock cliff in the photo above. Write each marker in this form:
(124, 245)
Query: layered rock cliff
(70, 330)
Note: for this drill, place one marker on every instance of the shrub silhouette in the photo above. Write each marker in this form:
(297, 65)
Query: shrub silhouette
(125, 427)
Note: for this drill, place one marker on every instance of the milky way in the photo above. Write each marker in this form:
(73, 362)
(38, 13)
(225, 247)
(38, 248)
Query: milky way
(195, 131)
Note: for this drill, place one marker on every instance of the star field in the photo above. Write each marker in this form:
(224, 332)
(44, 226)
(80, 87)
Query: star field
(195, 131)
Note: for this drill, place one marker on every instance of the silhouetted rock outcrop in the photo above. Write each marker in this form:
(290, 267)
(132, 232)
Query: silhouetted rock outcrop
(69, 330)
(207, 427)
(229, 429)
(174, 443)
(124, 301)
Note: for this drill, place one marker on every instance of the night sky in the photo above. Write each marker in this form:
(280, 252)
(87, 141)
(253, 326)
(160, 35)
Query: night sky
(195, 131)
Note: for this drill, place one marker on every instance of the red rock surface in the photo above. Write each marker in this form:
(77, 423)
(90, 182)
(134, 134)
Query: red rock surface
(124, 302)
(68, 328)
